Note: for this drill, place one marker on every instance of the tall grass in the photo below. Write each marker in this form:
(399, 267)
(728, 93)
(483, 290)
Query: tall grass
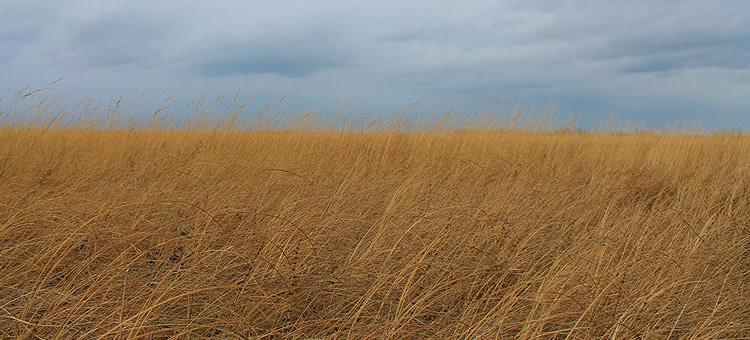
(490, 227)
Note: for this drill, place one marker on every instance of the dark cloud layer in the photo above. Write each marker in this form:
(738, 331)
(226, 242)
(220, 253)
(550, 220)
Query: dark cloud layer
(288, 56)
(657, 53)
(117, 40)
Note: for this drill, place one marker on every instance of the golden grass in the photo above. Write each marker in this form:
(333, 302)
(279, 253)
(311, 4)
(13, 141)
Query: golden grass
(126, 233)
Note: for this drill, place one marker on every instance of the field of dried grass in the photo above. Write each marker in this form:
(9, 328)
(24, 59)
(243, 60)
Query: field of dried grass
(214, 232)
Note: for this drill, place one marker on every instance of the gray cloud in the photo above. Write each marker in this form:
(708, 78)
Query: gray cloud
(659, 53)
(288, 56)
(653, 59)
(23, 36)
(20, 27)
(665, 62)
(646, 36)
(118, 39)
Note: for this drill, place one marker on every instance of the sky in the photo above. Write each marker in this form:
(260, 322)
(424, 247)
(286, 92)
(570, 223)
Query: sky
(653, 62)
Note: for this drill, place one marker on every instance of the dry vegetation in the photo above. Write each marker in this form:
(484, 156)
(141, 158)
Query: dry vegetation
(205, 231)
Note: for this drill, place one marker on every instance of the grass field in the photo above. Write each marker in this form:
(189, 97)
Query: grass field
(305, 231)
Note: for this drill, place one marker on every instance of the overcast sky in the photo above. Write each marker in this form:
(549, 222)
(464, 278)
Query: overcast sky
(653, 60)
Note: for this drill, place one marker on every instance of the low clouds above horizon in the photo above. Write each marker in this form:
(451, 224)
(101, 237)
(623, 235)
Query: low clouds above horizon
(654, 60)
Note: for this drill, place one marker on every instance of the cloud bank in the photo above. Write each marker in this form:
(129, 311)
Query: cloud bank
(654, 60)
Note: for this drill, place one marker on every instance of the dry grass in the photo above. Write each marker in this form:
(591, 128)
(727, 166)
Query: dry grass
(138, 233)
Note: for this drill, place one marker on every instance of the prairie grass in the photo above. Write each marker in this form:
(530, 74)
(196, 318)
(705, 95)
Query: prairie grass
(191, 231)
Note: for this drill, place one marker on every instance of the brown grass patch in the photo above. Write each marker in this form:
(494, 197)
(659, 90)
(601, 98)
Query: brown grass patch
(136, 233)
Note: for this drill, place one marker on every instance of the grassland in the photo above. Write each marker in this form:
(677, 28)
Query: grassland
(208, 231)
